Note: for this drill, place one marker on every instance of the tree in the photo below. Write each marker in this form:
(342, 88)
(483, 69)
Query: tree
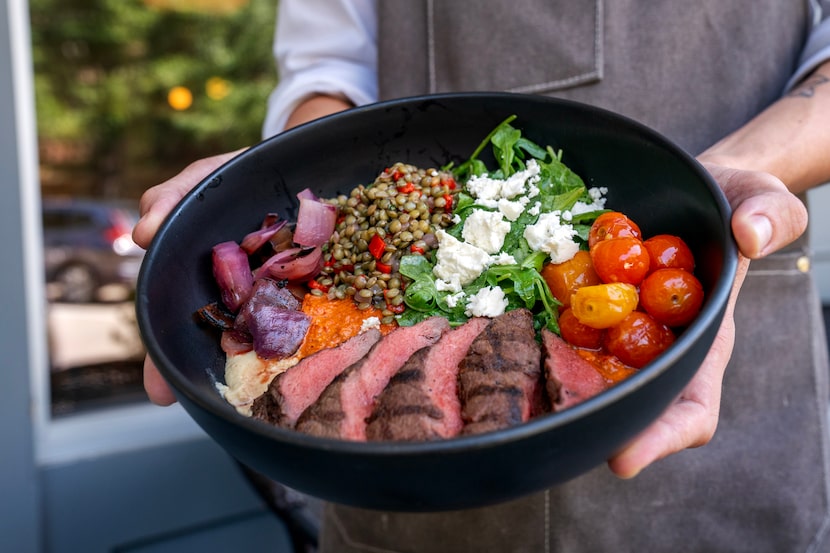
(104, 71)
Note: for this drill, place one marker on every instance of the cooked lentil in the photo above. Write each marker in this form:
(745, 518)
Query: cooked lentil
(379, 223)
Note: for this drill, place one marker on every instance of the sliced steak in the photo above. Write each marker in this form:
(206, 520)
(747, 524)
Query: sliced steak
(343, 407)
(291, 392)
(500, 377)
(421, 401)
(570, 378)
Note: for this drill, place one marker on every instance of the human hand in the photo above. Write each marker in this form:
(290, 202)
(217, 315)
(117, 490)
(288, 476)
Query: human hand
(765, 218)
(156, 203)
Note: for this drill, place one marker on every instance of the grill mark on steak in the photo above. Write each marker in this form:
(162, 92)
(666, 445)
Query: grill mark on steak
(292, 391)
(421, 401)
(500, 377)
(570, 379)
(345, 404)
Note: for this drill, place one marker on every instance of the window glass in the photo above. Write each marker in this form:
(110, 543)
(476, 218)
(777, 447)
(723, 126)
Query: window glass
(128, 92)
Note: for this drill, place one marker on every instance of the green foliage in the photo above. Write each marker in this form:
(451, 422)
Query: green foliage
(103, 70)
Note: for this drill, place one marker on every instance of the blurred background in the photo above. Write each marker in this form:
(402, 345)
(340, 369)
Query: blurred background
(100, 100)
(127, 92)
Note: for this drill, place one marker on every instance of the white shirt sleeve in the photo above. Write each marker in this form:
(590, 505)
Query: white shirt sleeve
(323, 47)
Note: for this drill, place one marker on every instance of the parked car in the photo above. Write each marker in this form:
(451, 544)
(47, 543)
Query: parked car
(87, 245)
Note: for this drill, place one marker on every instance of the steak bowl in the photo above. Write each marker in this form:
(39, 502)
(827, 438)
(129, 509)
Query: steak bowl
(648, 178)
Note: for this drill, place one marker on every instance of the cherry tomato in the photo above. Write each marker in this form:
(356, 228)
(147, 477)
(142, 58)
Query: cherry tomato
(612, 224)
(564, 278)
(638, 339)
(604, 305)
(667, 250)
(608, 366)
(671, 296)
(578, 334)
(621, 260)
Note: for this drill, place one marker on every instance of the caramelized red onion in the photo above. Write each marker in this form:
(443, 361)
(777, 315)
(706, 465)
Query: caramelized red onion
(258, 238)
(264, 313)
(294, 265)
(232, 273)
(315, 220)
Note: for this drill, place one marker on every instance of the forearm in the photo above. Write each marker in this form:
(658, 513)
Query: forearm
(790, 139)
(315, 107)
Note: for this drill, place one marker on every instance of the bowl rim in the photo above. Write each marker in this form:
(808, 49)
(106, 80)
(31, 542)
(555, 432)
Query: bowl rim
(218, 407)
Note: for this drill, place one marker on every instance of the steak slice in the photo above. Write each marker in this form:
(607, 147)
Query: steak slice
(570, 378)
(291, 392)
(343, 407)
(500, 377)
(421, 401)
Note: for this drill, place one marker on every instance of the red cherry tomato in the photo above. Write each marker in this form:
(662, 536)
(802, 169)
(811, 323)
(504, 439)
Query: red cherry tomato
(638, 339)
(578, 334)
(612, 224)
(564, 278)
(666, 250)
(621, 260)
(610, 367)
(672, 296)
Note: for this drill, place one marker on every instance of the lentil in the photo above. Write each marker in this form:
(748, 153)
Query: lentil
(403, 205)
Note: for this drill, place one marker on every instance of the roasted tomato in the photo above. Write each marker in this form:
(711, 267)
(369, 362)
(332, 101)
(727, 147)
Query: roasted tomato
(669, 251)
(612, 224)
(578, 334)
(612, 369)
(564, 278)
(604, 305)
(622, 259)
(638, 339)
(671, 296)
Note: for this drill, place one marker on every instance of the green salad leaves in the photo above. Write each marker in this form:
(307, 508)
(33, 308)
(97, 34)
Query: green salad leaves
(556, 188)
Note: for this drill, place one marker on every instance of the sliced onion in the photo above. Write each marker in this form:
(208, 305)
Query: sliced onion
(234, 342)
(294, 265)
(256, 239)
(315, 220)
(277, 332)
(232, 273)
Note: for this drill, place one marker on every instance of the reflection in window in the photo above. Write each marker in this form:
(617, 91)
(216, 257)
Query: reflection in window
(128, 92)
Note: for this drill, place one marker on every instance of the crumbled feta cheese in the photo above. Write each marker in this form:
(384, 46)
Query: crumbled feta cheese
(486, 230)
(454, 299)
(485, 189)
(503, 259)
(458, 263)
(537, 207)
(512, 209)
(551, 236)
(598, 201)
(487, 302)
(369, 323)
(451, 285)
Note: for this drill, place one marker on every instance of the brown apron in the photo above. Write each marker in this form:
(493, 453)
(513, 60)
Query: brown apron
(694, 71)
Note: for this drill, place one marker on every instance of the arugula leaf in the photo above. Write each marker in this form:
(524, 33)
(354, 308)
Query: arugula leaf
(522, 283)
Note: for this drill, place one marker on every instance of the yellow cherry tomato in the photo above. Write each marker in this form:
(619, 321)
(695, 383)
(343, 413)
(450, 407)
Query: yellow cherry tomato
(604, 305)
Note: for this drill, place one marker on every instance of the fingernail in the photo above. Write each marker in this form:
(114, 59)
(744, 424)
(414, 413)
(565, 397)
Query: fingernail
(763, 229)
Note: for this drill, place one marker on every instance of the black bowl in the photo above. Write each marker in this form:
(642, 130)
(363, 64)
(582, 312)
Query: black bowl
(648, 178)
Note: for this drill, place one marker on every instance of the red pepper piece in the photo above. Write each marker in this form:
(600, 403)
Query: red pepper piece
(397, 309)
(313, 284)
(383, 267)
(448, 200)
(449, 182)
(406, 188)
(377, 246)
(416, 249)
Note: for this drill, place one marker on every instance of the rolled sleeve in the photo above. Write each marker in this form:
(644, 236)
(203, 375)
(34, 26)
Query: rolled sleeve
(816, 51)
(322, 47)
